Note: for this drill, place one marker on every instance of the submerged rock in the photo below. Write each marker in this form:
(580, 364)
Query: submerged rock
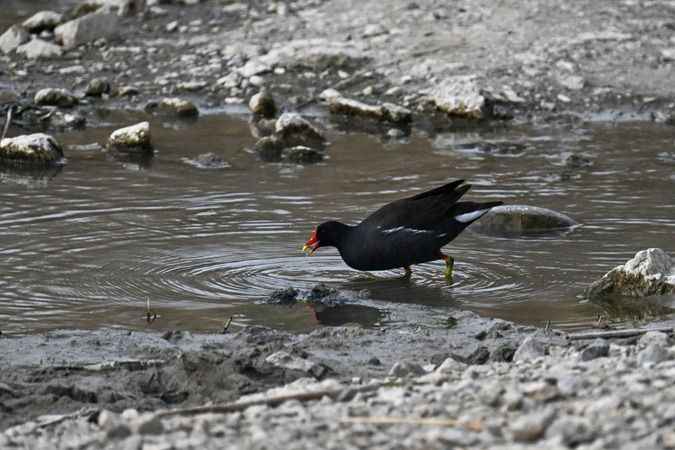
(37, 49)
(43, 20)
(522, 220)
(32, 149)
(132, 139)
(302, 155)
(175, 106)
(650, 272)
(207, 161)
(269, 149)
(387, 112)
(11, 39)
(67, 121)
(292, 129)
(86, 29)
(55, 97)
(262, 104)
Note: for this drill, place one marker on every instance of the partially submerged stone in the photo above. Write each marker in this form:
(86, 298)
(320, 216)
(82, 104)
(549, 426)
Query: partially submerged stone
(522, 220)
(176, 106)
(460, 96)
(262, 104)
(292, 129)
(55, 97)
(38, 49)
(132, 139)
(67, 121)
(269, 148)
(43, 20)
(11, 39)
(649, 272)
(302, 155)
(100, 24)
(387, 112)
(207, 161)
(30, 150)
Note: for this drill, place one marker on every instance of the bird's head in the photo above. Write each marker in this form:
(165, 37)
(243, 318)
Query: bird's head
(325, 235)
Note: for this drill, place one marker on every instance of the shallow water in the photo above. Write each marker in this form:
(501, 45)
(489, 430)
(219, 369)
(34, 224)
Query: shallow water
(89, 245)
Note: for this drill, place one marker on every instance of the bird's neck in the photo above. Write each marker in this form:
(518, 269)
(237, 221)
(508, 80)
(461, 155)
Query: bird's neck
(342, 237)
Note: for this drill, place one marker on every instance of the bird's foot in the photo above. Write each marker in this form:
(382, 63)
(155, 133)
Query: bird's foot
(407, 273)
(449, 265)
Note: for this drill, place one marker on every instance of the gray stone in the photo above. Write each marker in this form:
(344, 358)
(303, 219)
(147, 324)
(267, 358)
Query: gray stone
(269, 148)
(292, 129)
(531, 427)
(403, 369)
(386, 112)
(654, 353)
(135, 138)
(649, 272)
(318, 54)
(33, 149)
(599, 348)
(147, 424)
(39, 49)
(178, 106)
(43, 20)
(572, 431)
(531, 348)
(97, 87)
(123, 7)
(653, 337)
(55, 97)
(68, 121)
(287, 361)
(13, 38)
(302, 155)
(207, 161)
(87, 28)
(262, 104)
(522, 220)
(459, 96)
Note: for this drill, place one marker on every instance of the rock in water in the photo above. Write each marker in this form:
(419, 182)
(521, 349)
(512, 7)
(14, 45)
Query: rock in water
(387, 112)
(86, 29)
(133, 139)
(292, 129)
(522, 220)
(302, 155)
(55, 97)
(174, 106)
(97, 87)
(30, 150)
(460, 96)
(13, 38)
(650, 272)
(262, 104)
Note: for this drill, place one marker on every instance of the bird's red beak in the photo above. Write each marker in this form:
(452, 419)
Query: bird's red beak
(312, 244)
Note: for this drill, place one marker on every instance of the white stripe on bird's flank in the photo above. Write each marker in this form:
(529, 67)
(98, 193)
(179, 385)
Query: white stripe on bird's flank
(408, 230)
(473, 215)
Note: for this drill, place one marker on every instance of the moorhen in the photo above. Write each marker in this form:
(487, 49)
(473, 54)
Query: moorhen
(404, 232)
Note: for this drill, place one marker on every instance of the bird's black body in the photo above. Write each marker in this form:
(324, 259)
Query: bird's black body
(405, 232)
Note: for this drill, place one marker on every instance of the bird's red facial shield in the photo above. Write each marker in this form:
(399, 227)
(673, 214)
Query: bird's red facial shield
(312, 244)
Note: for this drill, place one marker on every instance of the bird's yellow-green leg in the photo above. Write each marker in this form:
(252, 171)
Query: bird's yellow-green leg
(449, 265)
(408, 272)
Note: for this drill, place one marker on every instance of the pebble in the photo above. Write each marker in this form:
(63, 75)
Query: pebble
(597, 349)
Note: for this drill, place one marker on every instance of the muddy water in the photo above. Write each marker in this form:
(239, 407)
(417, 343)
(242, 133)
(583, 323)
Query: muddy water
(89, 245)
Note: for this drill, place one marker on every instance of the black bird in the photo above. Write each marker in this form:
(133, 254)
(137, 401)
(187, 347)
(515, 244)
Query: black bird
(404, 232)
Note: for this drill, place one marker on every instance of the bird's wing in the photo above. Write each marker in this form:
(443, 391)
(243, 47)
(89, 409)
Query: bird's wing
(424, 211)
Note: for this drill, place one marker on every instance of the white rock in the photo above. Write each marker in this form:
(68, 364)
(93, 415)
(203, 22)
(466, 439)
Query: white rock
(43, 20)
(649, 272)
(459, 96)
(179, 106)
(30, 149)
(13, 38)
(123, 7)
(132, 138)
(263, 104)
(87, 28)
(287, 361)
(37, 48)
(531, 348)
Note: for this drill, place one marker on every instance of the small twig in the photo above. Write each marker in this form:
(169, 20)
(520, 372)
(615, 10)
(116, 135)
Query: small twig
(386, 420)
(226, 408)
(227, 325)
(8, 121)
(129, 364)
(615, 334)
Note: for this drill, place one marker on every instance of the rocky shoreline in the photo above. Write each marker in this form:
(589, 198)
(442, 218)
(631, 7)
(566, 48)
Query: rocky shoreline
(478, 383)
